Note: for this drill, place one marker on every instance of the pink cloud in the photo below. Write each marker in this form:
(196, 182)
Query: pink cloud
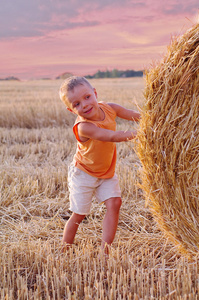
(110, 37)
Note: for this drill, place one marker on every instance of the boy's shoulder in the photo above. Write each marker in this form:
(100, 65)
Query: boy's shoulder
(106, 107)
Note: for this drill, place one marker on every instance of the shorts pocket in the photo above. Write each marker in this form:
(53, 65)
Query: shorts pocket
(73, 171)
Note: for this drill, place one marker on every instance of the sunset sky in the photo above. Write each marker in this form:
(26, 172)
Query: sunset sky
(44, 38)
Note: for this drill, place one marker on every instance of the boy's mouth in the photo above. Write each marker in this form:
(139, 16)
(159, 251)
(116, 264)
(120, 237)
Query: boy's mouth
(88, 111)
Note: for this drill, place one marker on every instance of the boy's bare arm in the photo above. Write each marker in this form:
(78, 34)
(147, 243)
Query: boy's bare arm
(124, 113)
(90, 131)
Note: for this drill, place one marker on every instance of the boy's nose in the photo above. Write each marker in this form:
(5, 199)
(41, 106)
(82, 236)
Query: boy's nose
(84, 104)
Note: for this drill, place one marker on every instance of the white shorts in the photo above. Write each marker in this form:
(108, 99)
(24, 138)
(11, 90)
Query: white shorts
(83, 187)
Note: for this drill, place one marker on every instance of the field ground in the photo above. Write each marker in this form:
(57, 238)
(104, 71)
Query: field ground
(36, 147)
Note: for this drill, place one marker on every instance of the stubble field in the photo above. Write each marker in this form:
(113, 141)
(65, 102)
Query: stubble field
(36, 147)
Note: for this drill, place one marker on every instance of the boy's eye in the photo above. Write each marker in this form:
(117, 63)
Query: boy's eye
(88, 96)
(76, 104)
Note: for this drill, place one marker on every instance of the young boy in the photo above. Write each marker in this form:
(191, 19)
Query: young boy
(93, 167)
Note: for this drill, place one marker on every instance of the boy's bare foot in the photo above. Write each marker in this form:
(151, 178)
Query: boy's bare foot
(65, 247)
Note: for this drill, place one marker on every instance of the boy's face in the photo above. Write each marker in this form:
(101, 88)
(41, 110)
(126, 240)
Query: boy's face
(82, 101)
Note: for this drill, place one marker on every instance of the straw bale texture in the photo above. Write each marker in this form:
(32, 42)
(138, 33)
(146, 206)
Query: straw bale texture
(168, 142)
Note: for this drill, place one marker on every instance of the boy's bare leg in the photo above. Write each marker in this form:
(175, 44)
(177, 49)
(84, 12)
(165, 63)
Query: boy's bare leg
(110, 222)
(71, 228)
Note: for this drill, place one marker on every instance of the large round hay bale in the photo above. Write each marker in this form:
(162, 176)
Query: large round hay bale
(168, 142)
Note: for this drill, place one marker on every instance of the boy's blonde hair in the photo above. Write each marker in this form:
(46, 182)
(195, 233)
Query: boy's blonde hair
(69, 84)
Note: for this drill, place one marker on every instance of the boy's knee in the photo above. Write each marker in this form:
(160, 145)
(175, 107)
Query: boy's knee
(118, 202)
(77, 218)
(114, 203)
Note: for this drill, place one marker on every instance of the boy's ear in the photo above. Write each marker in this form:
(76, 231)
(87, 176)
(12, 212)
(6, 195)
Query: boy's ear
(95, 92)
(70, 110)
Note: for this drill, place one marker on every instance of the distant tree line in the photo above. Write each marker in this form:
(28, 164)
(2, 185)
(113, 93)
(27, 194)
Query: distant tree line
(115, 74)
(9, 78)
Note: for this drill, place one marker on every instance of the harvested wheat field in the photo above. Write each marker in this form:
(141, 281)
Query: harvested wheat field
(169, 142)
(36, 146)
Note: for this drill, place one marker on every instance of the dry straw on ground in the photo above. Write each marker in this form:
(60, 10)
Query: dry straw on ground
(36, 147)
(169, 142)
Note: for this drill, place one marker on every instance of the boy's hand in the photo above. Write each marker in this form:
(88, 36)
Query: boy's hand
(133, 135)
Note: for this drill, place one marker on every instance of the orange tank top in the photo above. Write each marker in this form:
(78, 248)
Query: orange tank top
(94, 157)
